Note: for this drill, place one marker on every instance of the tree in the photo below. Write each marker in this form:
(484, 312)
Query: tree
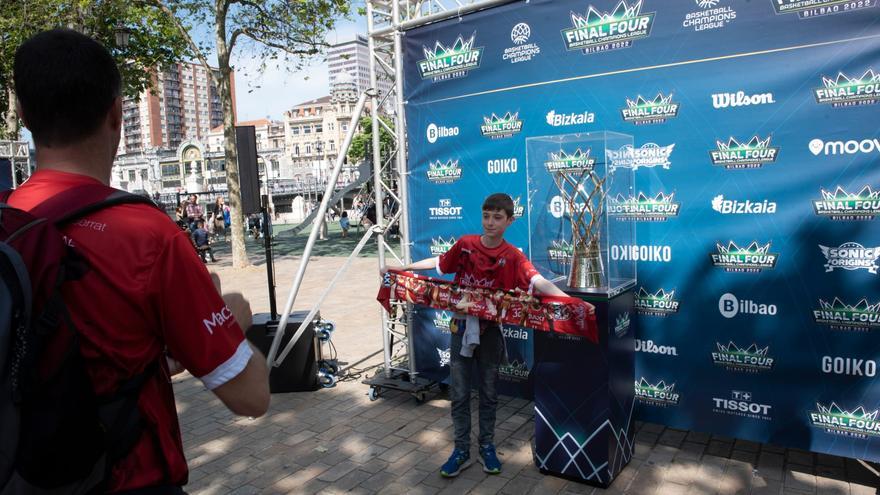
(362, 143)
(154, 41)
(289, 30)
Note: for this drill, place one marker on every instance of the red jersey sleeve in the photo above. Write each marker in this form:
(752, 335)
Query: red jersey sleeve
(526, 271)
(196, 325)
(450, 261)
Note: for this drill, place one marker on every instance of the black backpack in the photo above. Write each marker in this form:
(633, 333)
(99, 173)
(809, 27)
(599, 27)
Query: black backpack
(56, 435)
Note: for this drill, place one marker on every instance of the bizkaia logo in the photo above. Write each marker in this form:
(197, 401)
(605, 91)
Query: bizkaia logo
(658, 394)
(444, 211)
(710, 17)
(741, 99)
(444, 356)
(649, 155)
(741, 404)
(747, 207)
(621, 325)
(635, 252)
(450, 62)
(444, 173)
(649, 347)
(602, 31)
(440, 245)
(502, 166)
(850, 147)
(218, 318)
(849, 366)
(735, 155)
(751, 359)
(814, 8)
(521, 51)
(644, 208)
(660, 303)
(496, 127)
(844, 91)
(435, 132)
(730, 306)
(514, 333)
(842, 205)
(563, 119)
(851, 256)
(657, 111)
(753, 258)
(858, 423)
(859, 317)
(576, 161)
(442, 319)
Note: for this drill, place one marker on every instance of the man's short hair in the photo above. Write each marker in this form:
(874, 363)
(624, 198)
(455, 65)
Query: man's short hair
(66, 83)
(499, 202)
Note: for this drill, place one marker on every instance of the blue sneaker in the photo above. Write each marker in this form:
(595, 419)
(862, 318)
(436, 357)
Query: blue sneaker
(489, 459)
(458, 461)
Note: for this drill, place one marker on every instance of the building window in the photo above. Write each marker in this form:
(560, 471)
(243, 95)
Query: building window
(319, 128)
(294, 130)
(296, 150)
(308, 149)
(307, 129)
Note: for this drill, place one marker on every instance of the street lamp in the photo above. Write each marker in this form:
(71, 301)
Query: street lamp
(123, 35)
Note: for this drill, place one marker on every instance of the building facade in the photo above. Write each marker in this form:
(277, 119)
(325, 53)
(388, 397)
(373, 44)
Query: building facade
(352, 57)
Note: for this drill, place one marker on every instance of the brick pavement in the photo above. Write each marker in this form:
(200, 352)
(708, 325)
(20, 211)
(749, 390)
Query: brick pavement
(336, 440)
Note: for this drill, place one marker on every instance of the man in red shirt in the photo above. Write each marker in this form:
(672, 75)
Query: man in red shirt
(486, 261)
(127, 308)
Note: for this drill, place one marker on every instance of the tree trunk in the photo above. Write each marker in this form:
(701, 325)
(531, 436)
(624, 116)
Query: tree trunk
(10, 121)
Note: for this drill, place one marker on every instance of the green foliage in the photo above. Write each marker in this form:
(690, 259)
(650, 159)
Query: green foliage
(362, 142)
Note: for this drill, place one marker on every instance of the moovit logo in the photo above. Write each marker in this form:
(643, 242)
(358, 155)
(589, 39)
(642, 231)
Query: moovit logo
(514, 333)
(649, 347)
(496, 127)
(858, 423)
(577, 161)
(859, 317)
(444, 355)
(844, 91)
(518, 208)
(657, 394)
(649, 155)
(449, 62)
(439, 245)
(644, 208)
(752, 154)
(641, 111)
(843, 205)
(730, 306)
(752, 359)
(444, 210)
(741, 403)
(660, 303)
(435, 132)
(849, 366)
(563, 119)
(621, 324)
(741, 99)
(813, 8)
(444, 173)
(747, 207)
(635, 252)
(515, 369)
(600, 31)
(442, 319)
(851, 256)
(753, 258)
(850, 147)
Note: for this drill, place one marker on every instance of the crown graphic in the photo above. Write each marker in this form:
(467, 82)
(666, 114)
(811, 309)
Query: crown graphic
(660, 294)
(642, 198)
(561, 245)
(754, 143)
(444, 316)
(593, 17)
(660, 386)
(642, 102)
(439, 165)
(857, 413)
(844, 80)
(440, 50)
(562, 156)
(753, 248)
(623, 319)
(862, 306)
(517, 365)
(752, 350)
(494, 119)
(439, 240)
(841, 194)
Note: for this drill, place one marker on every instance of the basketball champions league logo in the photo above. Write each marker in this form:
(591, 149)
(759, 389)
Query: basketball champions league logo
(599, 31)
(450, 62)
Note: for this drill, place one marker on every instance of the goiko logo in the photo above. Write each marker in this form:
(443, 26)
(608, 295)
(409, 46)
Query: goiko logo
(522, 52)
(860, 317)
(445, 62)
(710, 17)
(644, 208)
(518, 208)
(857, 424)
(601, 31)
(741, 99)
(649, 347)
(849, 366)
(734, 207)
(444, 173)
(440, 245)
(754, 258)
(578, 161)
(635, 252)
(515, 369)
(740, 404)
(659, 394)
(729, 306)
(850, 147)
(444, 356)
(657, 111)
(563, 119)
(751, 359)
(660, 303)
(514, 333)
(736, 155)
(851, 256)
(841, 205)
(502, 166)
(813, 8)
(444, 211)
(435, 132)
(650, 155)
(496, 127)
(442, 319)
(844, 91)
(621, 324)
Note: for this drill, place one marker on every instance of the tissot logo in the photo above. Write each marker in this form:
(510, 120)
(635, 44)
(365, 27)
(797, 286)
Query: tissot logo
(851, 256)
(858, 423)
(600, 31)
(448, 62)
(860, 317)
(730, 306)
(502, 166)
(813, 8)
(849, 366)
(843, 205)
(565, 119)
(435, 132)
(741, 99)
(443, 354)
(753, 258)
(445, 210)
(751, 359)
(844, 91)
(747, 207)
(627, 252)
(218, 318)
(850, 147)
(741, 404)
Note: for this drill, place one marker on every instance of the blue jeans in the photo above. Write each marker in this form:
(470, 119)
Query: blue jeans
(487, 357)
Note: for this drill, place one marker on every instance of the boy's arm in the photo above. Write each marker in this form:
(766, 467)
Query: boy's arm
(546, 287)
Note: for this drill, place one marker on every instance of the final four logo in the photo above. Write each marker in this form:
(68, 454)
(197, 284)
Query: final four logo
(813, 8)
(577, 161)
(751, 359)
(445, 62)
(601, 31)
(496, 127)
(660, 303)
(621, 325)
(754, 258)
(736, 155)
(842, 205)
(858, 423)
(644, 208)
(442, 320)
(518, 209)
(657, 111)
(444, 173)
(560, 252)
(649, 155)
(514, 369)
(440, 245)
(844, 91)
(851, 256)
(838, 315)
(659, 394)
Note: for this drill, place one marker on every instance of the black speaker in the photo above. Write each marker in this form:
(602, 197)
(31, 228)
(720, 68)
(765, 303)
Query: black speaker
(248, 172)
(299, 371)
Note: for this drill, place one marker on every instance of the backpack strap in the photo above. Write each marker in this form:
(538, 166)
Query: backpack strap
(81, 201)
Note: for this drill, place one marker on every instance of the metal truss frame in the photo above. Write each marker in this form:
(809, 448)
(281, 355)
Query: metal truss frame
(19, 156)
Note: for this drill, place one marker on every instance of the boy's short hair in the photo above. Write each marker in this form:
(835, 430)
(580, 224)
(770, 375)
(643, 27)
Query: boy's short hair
(66, 83)
(499, 202)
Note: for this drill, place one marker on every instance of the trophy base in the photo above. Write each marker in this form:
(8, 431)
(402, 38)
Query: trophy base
(586, 272)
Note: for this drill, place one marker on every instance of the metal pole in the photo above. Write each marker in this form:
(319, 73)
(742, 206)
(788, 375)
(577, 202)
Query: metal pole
(316, 227)
(446, 14)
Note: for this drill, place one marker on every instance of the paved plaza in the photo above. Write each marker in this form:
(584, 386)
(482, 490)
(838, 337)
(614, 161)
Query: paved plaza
(336, 440)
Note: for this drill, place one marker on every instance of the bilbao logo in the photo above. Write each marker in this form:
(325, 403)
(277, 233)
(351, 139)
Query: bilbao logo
(741, 99)
(600, 31)
(836, 365)
(435, 132)
(858, 423)
(444, 173)
(656, 394)
(502, 166)
(843, 205)
(643, 111)
(445, 210)
(649, 347)
(849, 147)
(636, 252)
(495, 127)
(734, 155)
(751, 359)
(806, 9)
(557, 119)
(522, 51)
(660, 303)
(747, 207)
(644, 208)
(753, 258)
(851, 256)
(444, 356)
(838, 315)
(741, 403)
(846, 91)
(730, 307)
(443, 62)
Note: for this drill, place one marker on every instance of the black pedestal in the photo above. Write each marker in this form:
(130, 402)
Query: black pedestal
(299, 371)
(584, 396)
